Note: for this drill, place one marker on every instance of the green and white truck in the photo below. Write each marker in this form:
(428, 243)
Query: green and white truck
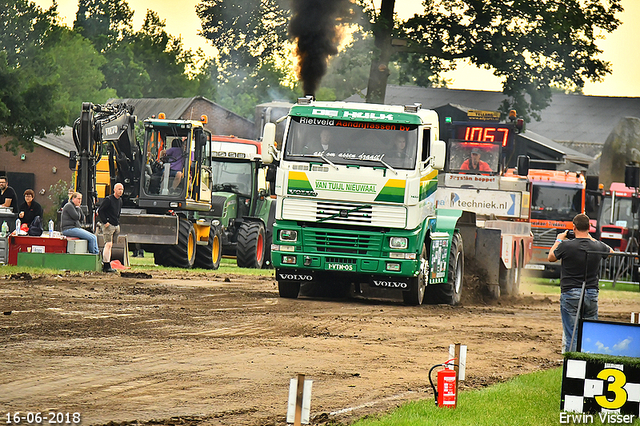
(356, 206)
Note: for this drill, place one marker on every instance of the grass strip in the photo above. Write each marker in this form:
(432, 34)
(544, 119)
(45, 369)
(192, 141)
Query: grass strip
(530, 399)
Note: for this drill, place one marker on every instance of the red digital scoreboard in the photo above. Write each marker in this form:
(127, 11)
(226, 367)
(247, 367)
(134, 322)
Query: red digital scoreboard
(489, 132)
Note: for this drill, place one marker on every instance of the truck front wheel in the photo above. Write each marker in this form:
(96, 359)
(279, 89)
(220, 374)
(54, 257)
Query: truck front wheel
(415, 295)
(450, 292)
(288, 290)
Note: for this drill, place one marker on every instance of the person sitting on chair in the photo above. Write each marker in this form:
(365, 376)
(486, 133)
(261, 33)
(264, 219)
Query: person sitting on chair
(176, 156)
(30, 208)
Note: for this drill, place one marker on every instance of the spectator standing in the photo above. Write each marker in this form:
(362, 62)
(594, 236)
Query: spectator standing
(109, 213)
(30, 209)
(573, 253)
(70, 222)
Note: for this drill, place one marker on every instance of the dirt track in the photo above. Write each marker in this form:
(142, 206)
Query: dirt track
(218, 349)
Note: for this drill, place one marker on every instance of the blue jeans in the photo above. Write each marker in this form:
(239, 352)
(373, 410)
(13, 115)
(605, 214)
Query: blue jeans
(568, 309)
(92, 241)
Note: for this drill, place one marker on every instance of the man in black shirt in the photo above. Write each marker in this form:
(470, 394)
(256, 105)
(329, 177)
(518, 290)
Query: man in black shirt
(109, 213)
(8, 196)
(573, 253)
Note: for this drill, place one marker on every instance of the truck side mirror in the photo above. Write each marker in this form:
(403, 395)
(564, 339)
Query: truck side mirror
(523, 165)
(438, 152)
(631, 176)
(270, 176)
(590, 204)
(72, 160)
(268, 141)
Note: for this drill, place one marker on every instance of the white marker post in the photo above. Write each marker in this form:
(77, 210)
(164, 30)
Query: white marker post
(299, 401)
(459, 352)
(635, 317)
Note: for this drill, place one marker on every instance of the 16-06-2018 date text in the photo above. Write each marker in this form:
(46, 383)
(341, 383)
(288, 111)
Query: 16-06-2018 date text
(42, 418)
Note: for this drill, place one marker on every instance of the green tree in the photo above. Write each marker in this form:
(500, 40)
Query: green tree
(251, 40)
(104, 22)
(529, 45)
(77, 66)
(28, 101)
(164, 58)
(241, 92)
(245, 33)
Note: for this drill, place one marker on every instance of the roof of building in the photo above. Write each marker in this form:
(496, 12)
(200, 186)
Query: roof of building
(570, 155)
(569, 118)
(174, 108)
(61, 144)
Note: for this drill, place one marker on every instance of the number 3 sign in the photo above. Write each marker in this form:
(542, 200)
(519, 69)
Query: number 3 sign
(590, 386)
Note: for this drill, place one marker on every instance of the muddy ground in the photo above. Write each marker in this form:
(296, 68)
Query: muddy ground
(220, 349)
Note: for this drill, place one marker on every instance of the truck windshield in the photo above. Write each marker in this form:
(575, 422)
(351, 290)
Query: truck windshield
(474, 157)
(165, 150)
(555, 203)
(231, 176)
(622, 213)
(352, 142)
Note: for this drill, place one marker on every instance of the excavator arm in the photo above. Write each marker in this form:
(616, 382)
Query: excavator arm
(112, 126)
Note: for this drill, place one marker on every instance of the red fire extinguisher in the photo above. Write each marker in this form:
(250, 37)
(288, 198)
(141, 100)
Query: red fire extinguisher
(445, 395)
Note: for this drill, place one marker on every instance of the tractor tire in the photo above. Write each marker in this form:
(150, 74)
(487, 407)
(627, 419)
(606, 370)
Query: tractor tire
(183, 254)
(251, 245)
(288, 290)
(449, 293)
(415, 295)
(209, 256)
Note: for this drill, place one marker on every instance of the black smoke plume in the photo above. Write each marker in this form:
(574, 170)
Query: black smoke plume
(315, 27)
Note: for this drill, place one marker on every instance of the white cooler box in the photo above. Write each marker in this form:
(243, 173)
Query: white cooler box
(76, 246)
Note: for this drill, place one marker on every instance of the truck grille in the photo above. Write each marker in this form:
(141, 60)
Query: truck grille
(318, 241)
(544, 237)
(309, 210)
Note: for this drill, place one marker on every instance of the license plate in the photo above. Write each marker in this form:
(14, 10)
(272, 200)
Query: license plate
(340, 267)
(534, 267)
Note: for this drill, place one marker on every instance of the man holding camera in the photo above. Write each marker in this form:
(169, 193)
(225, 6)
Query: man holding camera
(572, 247)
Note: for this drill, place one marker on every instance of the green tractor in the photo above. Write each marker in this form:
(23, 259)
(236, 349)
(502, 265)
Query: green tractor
(241, 200)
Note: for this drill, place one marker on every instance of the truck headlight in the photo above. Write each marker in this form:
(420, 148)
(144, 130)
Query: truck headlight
(289, 259)
(393, 267)
(398, 243)
(288, 235)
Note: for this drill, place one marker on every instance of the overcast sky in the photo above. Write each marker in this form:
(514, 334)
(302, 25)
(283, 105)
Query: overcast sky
(620, 47)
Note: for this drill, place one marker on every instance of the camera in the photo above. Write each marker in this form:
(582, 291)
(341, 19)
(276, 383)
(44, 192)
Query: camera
(570, 235)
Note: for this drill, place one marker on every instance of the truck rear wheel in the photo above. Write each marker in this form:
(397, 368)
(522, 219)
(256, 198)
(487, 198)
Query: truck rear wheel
(510, 278)
(251, 245)
(450, 292)
(518, 273)
(288, 290)
(415, 295)
(208, 257)
(183, 254)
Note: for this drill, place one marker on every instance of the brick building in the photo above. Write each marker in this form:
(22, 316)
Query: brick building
(40, 169)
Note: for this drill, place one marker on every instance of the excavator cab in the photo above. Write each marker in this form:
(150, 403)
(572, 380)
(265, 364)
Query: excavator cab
(176, 165)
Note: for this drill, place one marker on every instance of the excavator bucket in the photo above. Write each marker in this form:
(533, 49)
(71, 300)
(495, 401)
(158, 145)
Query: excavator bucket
(150, 229)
